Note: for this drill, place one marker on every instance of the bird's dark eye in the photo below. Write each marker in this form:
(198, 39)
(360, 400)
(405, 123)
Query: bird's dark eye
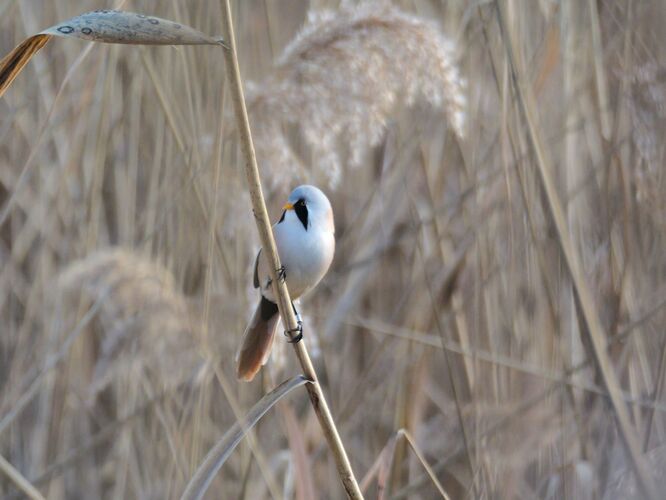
(300, 202)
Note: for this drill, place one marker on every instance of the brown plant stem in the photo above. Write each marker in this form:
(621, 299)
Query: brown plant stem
(268, 243)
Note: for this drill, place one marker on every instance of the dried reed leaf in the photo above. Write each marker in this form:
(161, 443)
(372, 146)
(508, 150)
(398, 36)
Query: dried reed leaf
(12, 64)
(116, 26)
(106, 26)
(216, 457)
(344, 78)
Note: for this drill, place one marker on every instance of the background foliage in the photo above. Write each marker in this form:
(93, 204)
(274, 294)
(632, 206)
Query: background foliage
(127, 242)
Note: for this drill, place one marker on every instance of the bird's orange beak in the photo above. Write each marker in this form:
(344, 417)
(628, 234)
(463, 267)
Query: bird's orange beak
(288, 206)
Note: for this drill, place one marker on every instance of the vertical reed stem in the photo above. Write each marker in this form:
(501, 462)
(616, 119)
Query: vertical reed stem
(264, 226)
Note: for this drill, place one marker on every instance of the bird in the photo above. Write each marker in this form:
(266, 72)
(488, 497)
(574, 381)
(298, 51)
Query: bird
(305, 240)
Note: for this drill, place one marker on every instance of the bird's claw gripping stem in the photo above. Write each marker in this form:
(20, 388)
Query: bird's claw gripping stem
(281, 274)
(298, 331)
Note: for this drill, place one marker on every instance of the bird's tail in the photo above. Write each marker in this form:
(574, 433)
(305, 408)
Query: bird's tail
(257, 340)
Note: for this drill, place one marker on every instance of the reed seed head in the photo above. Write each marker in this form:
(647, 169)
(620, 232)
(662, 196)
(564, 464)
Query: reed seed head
(344, 78)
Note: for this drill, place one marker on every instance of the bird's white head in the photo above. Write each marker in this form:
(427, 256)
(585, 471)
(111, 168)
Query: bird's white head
(312, 208)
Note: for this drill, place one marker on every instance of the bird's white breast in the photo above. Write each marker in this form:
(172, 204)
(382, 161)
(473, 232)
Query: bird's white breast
(305, 255)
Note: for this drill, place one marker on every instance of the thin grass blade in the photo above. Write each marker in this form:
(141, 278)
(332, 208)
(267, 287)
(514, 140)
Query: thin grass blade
(385, 466)
(216, 457)
(424, 463)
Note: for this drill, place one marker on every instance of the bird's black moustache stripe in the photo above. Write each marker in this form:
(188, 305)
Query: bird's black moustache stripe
(302, 214)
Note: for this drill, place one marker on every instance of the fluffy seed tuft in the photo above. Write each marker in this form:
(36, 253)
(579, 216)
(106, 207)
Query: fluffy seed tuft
(344, 78)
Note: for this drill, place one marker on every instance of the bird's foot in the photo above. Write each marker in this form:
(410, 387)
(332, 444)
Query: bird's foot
(298, 331)
(281, 274)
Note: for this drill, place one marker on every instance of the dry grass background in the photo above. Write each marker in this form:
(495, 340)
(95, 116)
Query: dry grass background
(127, 245)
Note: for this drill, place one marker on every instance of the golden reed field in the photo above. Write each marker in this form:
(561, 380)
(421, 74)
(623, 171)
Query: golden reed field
(493, 324)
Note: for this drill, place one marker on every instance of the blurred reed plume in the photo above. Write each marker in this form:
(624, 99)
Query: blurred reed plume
(343, 79)
(143, 324)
